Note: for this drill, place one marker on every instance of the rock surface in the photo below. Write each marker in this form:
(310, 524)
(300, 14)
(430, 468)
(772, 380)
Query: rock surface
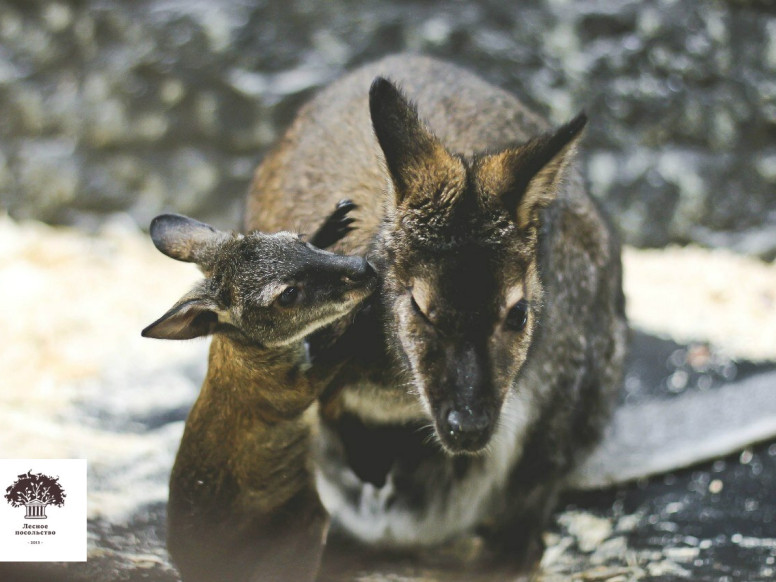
(169, 104)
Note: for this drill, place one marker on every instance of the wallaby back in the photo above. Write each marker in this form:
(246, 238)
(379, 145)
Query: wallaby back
(333, 146)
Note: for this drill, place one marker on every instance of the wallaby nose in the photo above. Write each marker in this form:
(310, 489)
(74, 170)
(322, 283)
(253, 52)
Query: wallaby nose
(467, 429)
(361, 271)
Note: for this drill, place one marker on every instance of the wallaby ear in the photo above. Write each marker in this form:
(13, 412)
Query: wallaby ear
(408, 146)
(190, 318)
(185, 239)
(530, 174)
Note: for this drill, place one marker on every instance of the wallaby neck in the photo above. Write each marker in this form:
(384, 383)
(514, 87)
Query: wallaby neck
(242, 501)
(248, 417)
(248, 380)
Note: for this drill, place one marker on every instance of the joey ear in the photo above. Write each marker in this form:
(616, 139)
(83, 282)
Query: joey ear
(408, 146)
(185, 239)
(532, 173)
(190, 318)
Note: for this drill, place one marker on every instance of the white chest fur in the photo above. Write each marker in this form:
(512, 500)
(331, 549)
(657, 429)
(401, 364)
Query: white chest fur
(375, 515)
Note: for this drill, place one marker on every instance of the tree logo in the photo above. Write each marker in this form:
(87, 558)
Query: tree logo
(35, 491)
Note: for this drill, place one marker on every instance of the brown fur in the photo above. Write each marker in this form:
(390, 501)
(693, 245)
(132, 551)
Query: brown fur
(340, 158)
(500, 282)
(242, 501)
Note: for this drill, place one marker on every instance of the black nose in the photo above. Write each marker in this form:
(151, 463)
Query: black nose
(468, 429)
(361, 271)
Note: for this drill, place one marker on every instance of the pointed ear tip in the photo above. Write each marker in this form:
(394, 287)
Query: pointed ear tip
(151, 329)
(579, 122)
(379, 84)
(384, 92)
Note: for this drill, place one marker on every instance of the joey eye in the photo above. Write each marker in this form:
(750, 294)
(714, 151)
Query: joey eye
(517, 317)
(288, 297)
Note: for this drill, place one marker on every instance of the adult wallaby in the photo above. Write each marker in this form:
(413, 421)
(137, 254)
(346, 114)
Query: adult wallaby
(242, 503)
(499, 325)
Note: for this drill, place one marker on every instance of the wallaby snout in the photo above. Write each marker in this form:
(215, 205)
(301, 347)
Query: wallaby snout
(465, 401)
(465, 429)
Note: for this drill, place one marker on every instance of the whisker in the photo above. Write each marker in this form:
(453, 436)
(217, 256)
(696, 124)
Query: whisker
(422, 427)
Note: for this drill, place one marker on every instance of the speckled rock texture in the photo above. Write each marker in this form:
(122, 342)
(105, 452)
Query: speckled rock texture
(151, 105)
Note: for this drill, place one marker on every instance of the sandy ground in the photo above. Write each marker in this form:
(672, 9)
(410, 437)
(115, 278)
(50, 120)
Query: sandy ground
(73, 306)
(72, 309)
(693, 294)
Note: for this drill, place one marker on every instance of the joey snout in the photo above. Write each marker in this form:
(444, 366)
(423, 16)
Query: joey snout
(359, 272)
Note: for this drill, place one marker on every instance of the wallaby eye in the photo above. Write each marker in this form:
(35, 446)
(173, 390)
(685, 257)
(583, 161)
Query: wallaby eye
(288, 297)
(416, 308)
(415, 305)
(517, 317)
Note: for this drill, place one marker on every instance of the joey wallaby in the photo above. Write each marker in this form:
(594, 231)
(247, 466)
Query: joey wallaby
(485, 366)
(242, 502)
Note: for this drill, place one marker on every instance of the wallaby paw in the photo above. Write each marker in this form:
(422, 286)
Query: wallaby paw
(336, 226)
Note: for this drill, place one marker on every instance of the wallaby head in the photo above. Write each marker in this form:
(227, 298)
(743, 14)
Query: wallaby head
(458, 255)
(268, 289)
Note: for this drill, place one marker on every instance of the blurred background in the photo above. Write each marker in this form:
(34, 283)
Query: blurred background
(112, 112)
(138, 107)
